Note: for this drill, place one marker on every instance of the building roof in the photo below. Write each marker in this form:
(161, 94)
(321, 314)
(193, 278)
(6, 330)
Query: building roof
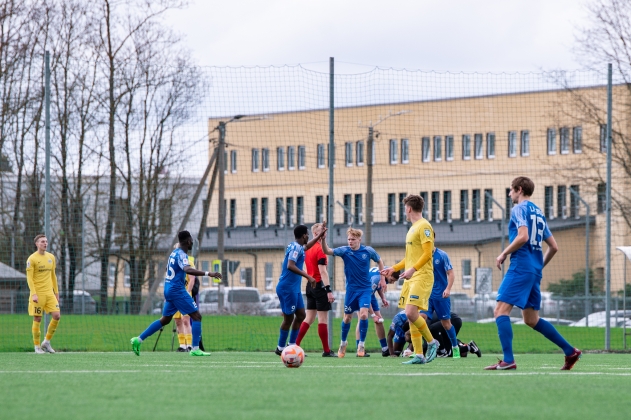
(8, 273)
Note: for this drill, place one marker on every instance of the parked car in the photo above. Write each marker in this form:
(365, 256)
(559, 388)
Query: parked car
(240, 300)
(485, 306)
(462, 304)
(599, 319)
(88, 302)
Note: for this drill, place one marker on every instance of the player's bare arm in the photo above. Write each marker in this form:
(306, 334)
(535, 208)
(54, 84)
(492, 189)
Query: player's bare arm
(518, 242)
(324, 275)
(450, 282)
(390, 341)
(553, 248)
(325, 247)
(316, 239)
(195, 272)
(384, 301)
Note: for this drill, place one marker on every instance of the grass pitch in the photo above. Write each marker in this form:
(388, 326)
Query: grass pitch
(257, 386)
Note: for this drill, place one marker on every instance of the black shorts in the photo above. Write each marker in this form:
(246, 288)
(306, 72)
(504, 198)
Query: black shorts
(316, 298)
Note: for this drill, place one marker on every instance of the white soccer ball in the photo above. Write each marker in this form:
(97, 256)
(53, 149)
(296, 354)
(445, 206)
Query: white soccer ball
(292, 356)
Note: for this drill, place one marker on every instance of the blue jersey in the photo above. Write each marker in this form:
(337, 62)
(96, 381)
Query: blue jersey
(356, 266)
(375, 278)
(442, 264)
(398, 321)
(289, 280)
(175, 277)
(528, 258)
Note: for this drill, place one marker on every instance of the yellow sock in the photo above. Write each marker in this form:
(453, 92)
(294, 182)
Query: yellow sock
(421, 325)
(52, 327)
(181, 338)
(189, 339)
(36, 333)
(417, 340)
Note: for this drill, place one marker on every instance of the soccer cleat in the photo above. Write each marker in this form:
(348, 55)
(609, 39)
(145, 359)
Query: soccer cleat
(181, 350)
(365, 355)
(135, 345)
(47, 347)
(190, 349)
(341, 352)
(329, 354)
(361, 351)
(443, 353)
(38, 350)
(571, 360)
(198, 352)
(417, 360)
(432, 349)
(278, 351)
(474, 348)
(502, 365)
(455, 352)
(385, 353)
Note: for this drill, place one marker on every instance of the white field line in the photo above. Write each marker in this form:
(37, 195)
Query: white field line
(498, 374)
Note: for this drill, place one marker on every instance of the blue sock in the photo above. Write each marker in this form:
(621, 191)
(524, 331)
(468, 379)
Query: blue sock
(293, 336)
(452, 336)
(356, 343)
(282, 340)
(345, 329)
(505, 331)
(151, 329)
(363, 329)
(549, 332)
(383, 342)
(196, 329)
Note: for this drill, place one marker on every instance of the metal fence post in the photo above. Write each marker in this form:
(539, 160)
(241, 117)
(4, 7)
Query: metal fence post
(608, 233)
(47, 170)
(587, 291)
(331, 209)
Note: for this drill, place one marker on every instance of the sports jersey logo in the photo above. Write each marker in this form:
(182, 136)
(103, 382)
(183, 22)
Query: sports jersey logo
(413, 297)
(436, 261)
(427, 232)
(28, 264)
(50, 261)
(294, 254)
(364, 256)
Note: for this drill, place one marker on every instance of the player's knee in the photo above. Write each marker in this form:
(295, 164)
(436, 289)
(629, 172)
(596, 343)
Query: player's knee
(56, 316)
(196, 316)
(37, 318)
(411, 313)
(531, 321)
(165, 320)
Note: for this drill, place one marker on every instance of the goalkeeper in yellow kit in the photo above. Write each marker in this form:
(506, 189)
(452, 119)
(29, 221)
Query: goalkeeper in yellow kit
(419, 278)
(44, 296)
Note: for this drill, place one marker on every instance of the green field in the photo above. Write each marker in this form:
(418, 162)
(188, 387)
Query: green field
(237, 385)
(255, 333)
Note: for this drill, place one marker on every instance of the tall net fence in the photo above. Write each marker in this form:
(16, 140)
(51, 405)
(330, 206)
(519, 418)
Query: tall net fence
(128, 174)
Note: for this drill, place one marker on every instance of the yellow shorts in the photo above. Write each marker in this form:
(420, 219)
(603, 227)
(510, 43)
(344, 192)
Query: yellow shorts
(415, 293)
(178, 315)
(46, 302)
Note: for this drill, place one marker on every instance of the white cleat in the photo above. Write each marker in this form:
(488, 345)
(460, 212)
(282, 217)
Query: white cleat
(38, 350)
(47, 348)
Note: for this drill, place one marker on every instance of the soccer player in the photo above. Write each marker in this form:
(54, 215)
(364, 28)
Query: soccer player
(419, 277)
(44, 293)
(439, 299)
(320, 297)
(527, 230)
(356, 259)
(288, 287)
(376, 280)
(183, 322)
(177, 297)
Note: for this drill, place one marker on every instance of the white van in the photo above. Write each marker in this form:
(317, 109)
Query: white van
(236, 300)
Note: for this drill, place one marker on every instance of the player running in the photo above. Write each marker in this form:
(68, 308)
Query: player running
(356, 259)
(288, 287)
(527, 229)
(320, 296)
(44, 293)
(419, 277)
(177, 297)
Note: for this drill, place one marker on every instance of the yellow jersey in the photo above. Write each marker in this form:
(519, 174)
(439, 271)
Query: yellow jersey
(189, 278)
(419, 233)
(40, 273)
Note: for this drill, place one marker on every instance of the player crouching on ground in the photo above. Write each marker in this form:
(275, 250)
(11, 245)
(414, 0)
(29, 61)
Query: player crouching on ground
(176, 297)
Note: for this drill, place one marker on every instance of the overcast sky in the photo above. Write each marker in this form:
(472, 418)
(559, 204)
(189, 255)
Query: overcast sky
(457, 35)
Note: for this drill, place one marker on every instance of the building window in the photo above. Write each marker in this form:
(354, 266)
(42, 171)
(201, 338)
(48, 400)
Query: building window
(359, 216)
(289, 211)
(205, 267)
(300, 210)
(479, 149)
(466, 147)
(127, 275)
(525, 143)
(265, 159)
(402, 208)
(319, 217)
(436, 206)
(564, 134)
(508, 207)
(490, 145)
(603, 138)
(255, 160)
(279, 212)
(577, 139)
(347, 208)
(447, 206)
(321, 162)
(291, 158)
(426, 203)
(264, 212)
(552, 141)
(574, 203)
(348, 153)
(438, 148)
(405, 151)
(254, 209)
(488, 205)
(392, 209)
(280, 158)
(425, 148)
(464, 205)
(359, 153)
(475, 205)
(449, 148)
(561, 202)
(302, 158)
(512, 144)
(225, 162)
(233, 161)
(466, 274)
(601, 203)
(112, 274)
(233, 213)
(394, 155)
(165, 214)
(269, 276)
(548, 211)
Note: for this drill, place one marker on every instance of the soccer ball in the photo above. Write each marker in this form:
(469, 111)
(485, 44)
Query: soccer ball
(292, 356)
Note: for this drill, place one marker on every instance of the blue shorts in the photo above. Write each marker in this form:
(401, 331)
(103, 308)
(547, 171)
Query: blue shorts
(290, 301)
(442, 307)
(374, 303)
(182, 302)
(521, 290)
(355, 300)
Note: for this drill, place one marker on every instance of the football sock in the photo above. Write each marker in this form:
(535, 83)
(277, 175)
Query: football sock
(345, 329)
(181, 339)
(417, 339)
(304, 327)
(36, 333)
(151, 329)
(357, 343)
(363, 329)
(189, 339)
(549, 332)
(505, 331)
(384, 343)
(452, 336)
(197, 332)
(282, 339)
(421, 325)
(293, 334)
(52, 327)
(323, 332)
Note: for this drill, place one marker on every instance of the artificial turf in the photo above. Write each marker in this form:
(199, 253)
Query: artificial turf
(239, 385)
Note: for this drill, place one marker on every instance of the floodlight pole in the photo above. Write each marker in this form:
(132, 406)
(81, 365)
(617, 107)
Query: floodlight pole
(587, 215)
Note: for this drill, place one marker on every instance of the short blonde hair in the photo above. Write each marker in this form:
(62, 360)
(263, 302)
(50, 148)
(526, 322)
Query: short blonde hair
(355, 233)
(315, 227)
